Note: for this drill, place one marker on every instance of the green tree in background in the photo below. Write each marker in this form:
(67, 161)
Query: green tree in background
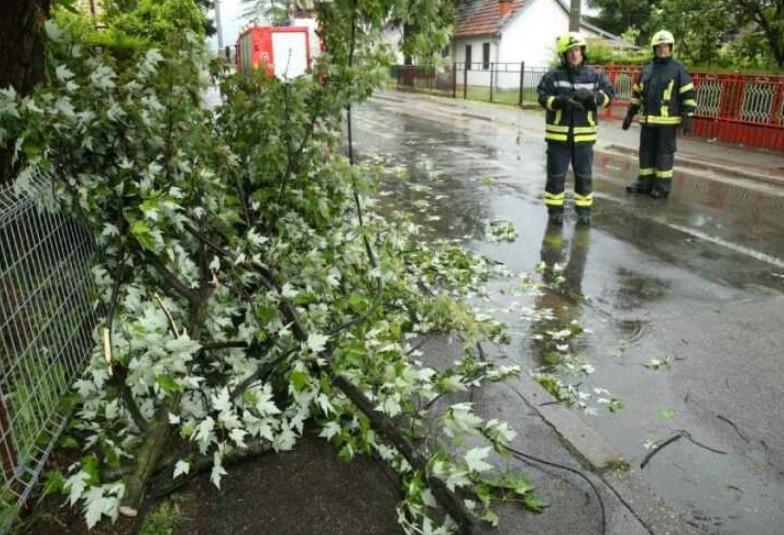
(277, 12)
(156, 20)
(617, 16)
(699, 27)
(141, 10)
(729, 33)
(760, 21)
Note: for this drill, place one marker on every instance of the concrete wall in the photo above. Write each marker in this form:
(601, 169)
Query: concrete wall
(530, 37)
(477, 75)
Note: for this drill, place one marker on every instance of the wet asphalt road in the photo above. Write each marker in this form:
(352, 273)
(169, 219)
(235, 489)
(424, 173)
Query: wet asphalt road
(695, 282)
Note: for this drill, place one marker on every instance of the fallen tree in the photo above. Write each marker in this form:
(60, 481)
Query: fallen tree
(247, 287)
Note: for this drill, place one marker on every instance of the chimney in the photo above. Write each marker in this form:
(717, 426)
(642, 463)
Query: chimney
(504, 7)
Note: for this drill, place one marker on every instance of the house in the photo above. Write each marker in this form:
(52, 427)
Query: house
(515, 31)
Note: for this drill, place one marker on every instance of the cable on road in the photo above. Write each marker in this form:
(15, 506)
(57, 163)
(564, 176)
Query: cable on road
(529, 459)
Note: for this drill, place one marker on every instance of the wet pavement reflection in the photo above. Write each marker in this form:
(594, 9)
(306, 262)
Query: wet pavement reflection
(666, 315)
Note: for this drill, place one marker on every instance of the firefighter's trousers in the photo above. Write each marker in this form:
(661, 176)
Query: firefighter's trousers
(559, 156)
(657, 154)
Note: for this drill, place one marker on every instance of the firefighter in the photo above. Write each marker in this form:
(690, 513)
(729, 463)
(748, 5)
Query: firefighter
(664, 97)
(571, 93)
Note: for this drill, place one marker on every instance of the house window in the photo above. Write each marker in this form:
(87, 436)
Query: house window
(485, 56)
(445, 52)
(468, 57)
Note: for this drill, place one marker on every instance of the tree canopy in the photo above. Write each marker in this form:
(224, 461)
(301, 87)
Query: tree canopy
(248, 284)
(726, 33)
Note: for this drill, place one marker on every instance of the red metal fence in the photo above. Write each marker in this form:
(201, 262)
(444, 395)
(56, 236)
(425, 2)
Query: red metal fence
(736, 108)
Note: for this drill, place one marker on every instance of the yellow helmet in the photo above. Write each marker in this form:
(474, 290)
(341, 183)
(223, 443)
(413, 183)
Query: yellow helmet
(568, 41)
(662, 37)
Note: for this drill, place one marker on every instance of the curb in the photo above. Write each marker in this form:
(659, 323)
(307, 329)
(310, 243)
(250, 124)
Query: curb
(685, 160)
(655, 515)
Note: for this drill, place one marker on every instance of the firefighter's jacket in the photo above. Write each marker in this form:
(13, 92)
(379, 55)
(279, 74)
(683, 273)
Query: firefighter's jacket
(663, 93)
(573, 125)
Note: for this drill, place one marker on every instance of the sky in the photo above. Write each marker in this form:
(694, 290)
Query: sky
(232, 21)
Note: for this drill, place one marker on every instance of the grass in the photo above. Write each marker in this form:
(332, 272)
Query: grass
(509, 97)
(163, 520)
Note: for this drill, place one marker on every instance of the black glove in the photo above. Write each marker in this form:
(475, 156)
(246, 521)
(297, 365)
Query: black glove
(586, 97)
(687, 123)
(627, 121)
(565, 102)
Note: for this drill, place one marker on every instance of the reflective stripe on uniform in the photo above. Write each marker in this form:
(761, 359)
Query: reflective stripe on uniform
(550, 102)
(556, 137)
(646, 171)
(664, 173)
(590, 119)
(687, 87)
(654, 119)
(690, 102)
(580, 139)
(556, 128)
(585, 129)
(666, 97)
(554, 199)
(605, 100)
(583, 200)
(558, 114)
(570, 85)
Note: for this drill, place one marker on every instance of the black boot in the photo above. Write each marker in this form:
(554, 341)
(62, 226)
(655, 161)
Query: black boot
(657, 193)
(638, 189)
(555, 218)
(584, 218)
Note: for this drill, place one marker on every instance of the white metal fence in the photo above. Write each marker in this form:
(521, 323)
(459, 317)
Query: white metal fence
(46, 322)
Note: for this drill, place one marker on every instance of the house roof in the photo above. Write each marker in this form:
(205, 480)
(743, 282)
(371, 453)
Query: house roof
(483, 17)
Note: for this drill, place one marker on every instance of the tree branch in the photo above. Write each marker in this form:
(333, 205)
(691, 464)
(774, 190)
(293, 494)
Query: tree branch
(171, 280)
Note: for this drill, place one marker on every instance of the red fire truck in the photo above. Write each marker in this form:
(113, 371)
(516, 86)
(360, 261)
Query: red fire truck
(284, 51)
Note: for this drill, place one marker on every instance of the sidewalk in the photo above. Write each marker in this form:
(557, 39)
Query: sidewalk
(693, 153)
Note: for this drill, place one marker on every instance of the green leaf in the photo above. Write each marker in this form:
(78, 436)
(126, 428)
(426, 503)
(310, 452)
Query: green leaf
(518, 483)
(143, 235)
(90, 466)
(474, 459)
(68, 443)
(533, 503)
(54, 482)
(298, 380)
(168, 384)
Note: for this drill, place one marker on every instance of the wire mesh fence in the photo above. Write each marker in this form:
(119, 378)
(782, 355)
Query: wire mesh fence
(46, 322)
(504, 83)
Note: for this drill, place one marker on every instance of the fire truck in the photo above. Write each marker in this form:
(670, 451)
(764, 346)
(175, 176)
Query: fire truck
(283, 51)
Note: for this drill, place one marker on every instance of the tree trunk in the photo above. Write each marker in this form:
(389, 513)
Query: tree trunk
(22, 53)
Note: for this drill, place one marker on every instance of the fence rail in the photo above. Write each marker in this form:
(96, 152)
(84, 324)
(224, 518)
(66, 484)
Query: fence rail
(46, 322)
(737, 108)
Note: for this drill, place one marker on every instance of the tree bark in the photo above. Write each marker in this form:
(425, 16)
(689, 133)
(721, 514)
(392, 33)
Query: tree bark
(22, 53)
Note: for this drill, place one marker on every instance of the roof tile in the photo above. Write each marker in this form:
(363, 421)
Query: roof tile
(483, 17)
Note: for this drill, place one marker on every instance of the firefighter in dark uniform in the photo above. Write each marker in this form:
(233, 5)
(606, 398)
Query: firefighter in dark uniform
(571, 93)
(664, 97)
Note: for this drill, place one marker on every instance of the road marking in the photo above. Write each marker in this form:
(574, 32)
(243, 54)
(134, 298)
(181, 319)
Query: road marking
(757, 255)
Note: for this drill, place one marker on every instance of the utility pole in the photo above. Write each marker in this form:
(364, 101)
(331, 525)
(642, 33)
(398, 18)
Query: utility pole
(574, 16)
(218, 26)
